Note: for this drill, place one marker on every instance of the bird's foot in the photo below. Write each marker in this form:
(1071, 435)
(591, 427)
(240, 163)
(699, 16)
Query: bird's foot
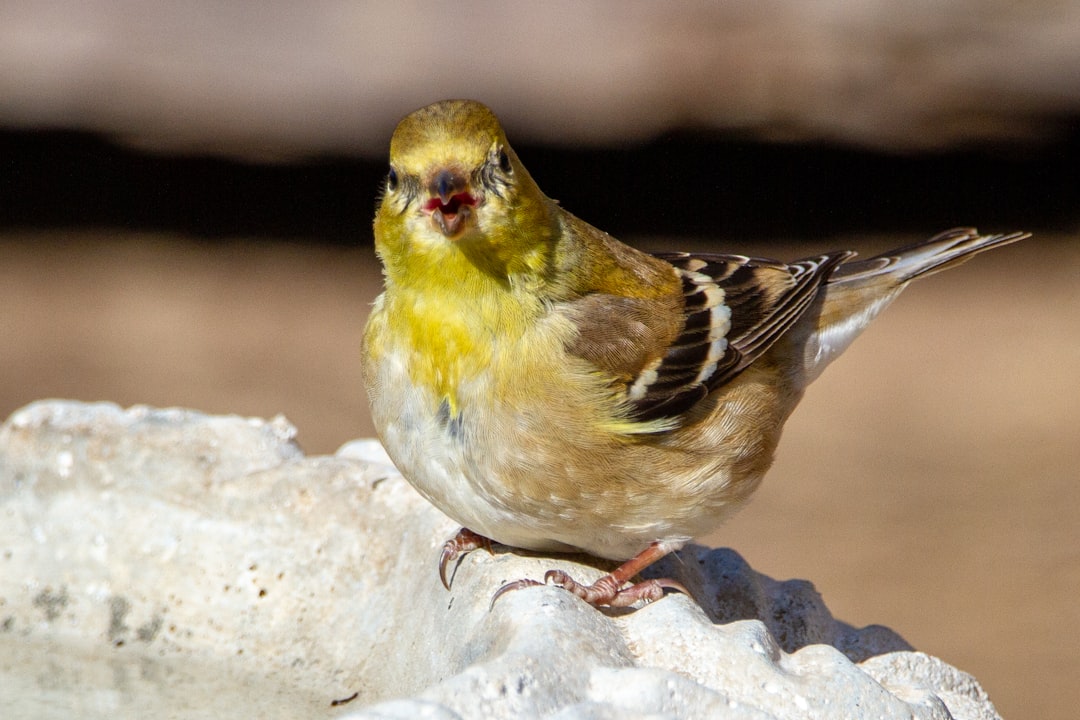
(464, 542)
(609, 589)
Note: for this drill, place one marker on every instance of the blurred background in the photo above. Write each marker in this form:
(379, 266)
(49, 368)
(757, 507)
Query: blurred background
(186, 192)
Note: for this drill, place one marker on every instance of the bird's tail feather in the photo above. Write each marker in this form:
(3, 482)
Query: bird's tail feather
(857, 291)
(941, 252)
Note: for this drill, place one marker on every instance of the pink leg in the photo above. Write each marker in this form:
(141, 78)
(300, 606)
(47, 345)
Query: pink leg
(606, 590)
(465, 541)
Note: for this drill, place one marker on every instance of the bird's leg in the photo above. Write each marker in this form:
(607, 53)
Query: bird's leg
(606, 590)
(464, 542)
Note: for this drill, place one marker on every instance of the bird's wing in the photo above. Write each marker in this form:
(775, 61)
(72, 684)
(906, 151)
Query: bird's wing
(733, 308)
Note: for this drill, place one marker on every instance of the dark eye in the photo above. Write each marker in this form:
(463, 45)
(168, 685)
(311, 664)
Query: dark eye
(391, 180)
(504, 162)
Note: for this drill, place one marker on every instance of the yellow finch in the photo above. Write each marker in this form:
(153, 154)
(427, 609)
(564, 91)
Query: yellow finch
(550, 388)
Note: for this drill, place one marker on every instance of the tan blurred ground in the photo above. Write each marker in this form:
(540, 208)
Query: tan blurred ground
(929, 482)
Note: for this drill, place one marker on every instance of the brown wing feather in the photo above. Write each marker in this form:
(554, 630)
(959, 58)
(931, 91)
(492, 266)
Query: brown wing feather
(736, 307)
(622, 335)
(669, 353)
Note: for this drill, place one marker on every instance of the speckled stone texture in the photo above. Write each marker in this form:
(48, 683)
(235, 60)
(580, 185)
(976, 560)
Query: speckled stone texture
(170, 563)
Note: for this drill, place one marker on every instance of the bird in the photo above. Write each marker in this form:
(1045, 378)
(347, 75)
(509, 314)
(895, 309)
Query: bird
(552, 389)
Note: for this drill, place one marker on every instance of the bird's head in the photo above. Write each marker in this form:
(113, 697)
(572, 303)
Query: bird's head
(455, 184)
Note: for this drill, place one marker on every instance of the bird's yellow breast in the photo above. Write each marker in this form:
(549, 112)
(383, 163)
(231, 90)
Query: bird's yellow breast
(448, 340)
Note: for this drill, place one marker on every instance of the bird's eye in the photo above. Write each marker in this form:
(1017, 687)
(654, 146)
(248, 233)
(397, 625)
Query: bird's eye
(504, 162)
(391, 180)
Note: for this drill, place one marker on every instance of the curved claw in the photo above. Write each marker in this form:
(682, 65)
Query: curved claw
(511, 586)
(669, 584)
(463, 542)
(447, 555)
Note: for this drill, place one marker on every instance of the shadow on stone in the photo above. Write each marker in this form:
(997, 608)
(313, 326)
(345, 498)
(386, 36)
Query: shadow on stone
(728, 590)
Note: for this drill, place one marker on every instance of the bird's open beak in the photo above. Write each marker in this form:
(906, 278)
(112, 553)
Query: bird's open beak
(450, 203)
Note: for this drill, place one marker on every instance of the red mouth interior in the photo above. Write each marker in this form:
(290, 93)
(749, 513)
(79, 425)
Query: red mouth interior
(452, 206)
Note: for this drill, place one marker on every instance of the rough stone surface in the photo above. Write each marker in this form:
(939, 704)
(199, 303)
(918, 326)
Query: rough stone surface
(165, 562)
